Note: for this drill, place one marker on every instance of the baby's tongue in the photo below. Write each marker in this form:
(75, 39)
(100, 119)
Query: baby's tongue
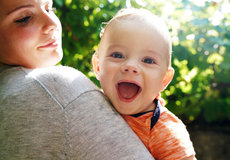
(128, 90)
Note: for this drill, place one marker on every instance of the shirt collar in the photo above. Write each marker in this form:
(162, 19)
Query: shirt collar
(155, 116)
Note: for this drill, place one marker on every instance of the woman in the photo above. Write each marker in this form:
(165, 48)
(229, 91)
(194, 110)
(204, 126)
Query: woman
(47, 111)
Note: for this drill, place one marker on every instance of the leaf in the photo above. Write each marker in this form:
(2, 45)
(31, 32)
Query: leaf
(222, 77)
(59, 2)
(214, 109)
(200, 22)
(225, 65)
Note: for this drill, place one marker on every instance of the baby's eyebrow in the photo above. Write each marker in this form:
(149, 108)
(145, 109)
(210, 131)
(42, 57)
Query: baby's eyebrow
(112, 46)
(19, 8)
(153, 52)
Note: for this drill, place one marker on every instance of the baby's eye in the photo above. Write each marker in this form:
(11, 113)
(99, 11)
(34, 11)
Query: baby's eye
(149, 60)
(117, 55)
(23, 20)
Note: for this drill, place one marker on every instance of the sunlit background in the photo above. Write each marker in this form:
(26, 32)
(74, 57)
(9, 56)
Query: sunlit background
(200, 29)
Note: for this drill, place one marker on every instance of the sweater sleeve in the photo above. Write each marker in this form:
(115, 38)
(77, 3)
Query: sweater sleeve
(57, 113)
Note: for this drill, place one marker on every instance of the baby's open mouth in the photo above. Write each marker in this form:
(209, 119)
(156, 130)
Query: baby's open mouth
(128, 91)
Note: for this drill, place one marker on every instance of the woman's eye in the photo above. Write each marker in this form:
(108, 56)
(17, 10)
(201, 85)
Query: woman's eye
(23, 20)
(149, 61)
(117, 55)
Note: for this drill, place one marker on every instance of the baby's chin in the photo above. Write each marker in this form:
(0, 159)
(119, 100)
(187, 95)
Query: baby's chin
(125, 110)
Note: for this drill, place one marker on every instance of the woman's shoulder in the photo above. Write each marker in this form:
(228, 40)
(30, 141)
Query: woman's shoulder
(47, 76)
(59, 81)
(62, 72)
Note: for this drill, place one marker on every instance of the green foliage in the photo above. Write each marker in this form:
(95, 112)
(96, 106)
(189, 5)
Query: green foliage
(201, 49)
(81, 22)
(201, 60)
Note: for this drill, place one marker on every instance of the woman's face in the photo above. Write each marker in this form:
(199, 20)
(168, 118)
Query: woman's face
(30, 33)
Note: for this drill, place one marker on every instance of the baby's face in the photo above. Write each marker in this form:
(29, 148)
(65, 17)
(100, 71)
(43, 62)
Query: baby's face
(132, 65)
(30, 33)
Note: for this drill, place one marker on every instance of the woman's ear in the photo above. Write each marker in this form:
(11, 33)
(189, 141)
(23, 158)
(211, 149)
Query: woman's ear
(96, 68)
(168, 77)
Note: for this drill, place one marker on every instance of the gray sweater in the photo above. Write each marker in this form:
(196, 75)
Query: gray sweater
(56, 113)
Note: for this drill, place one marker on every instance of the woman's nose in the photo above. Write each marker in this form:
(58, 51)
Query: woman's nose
(50, 23)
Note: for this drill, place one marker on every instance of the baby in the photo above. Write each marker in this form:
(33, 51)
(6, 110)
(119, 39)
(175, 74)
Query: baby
(133, 65)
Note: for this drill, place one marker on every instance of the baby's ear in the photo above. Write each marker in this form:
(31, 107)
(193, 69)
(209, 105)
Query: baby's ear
(168, 77)
(96, 68)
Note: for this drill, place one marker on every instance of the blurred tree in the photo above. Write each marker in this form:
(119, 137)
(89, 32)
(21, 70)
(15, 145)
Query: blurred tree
(82, 22)
(201, 49)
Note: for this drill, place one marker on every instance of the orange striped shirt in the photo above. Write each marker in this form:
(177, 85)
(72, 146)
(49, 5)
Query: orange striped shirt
(167, 140)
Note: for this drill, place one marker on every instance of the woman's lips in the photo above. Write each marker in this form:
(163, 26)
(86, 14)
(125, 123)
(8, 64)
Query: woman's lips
(128, 91)
(50, 44)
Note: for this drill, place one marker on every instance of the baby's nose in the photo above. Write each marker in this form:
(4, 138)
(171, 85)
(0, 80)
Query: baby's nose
(130, 68)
